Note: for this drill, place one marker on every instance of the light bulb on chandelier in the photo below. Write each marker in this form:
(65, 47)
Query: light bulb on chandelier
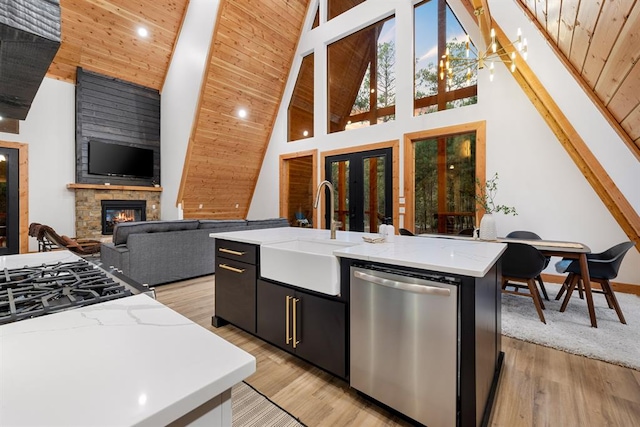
(454, 65)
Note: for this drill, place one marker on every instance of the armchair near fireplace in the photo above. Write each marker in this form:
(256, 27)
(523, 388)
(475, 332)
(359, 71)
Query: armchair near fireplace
(48, 240)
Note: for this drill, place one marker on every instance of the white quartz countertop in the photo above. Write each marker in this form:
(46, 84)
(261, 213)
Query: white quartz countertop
(130, 361)
(466, 257)
(37, 258)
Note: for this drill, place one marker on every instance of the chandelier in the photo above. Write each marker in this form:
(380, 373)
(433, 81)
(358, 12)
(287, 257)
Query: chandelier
(455, 65)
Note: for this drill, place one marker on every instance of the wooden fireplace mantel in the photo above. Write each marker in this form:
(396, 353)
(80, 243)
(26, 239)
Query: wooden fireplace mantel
(111, 187)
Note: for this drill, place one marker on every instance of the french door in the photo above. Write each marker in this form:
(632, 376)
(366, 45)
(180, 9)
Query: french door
(9, 202)
(363, 185)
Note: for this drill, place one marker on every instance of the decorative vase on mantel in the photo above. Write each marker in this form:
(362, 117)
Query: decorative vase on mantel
(488, 229)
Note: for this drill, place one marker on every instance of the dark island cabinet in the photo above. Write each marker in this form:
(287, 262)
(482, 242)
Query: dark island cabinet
(235, 288)
(310, 326)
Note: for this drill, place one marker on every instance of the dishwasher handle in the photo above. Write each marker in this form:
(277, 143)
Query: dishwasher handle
(403, 286)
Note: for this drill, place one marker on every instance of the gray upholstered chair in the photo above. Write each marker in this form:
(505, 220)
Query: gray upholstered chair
(523, 263)
(603, 267)
(522, 234)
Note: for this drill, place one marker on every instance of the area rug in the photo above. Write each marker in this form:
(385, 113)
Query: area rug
(251, 408)
(571, 331)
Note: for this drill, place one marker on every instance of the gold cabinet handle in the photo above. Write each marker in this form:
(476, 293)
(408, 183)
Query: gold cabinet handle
(295, 321)
(287, 319)
(231, 251)
(228, 267)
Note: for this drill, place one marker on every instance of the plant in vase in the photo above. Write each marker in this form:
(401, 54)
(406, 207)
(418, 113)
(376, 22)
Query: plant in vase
(485, 198)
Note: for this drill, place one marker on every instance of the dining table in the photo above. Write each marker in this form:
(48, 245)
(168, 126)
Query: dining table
(564, 249)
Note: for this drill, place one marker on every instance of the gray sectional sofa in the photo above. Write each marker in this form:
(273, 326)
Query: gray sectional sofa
(158, 252)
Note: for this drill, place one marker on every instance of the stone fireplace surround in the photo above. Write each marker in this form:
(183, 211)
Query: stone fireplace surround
(89, 206)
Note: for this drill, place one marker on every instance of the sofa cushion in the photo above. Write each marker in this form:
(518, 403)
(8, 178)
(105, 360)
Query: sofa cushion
(122, 231)
(267, 223)
(222, 224)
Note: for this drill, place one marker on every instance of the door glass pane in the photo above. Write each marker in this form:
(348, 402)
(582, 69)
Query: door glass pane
(3, 201)
(445, 173)
(374, 193)
(340, 180)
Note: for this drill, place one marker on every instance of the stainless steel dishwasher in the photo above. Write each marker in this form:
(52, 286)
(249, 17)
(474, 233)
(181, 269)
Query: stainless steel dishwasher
(404, 342)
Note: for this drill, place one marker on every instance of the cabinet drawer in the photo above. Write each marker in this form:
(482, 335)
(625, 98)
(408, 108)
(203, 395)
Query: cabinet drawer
(244, 252)
(235, 295)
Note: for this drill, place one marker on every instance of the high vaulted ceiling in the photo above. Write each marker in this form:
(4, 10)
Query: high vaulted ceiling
(253, 46)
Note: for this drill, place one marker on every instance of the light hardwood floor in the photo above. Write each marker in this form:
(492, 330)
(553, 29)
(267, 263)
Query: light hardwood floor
(539, 386)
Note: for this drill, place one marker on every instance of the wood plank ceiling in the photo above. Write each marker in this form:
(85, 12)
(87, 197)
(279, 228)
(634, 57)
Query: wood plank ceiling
(100, 35)
(253, 48)
(600, 43)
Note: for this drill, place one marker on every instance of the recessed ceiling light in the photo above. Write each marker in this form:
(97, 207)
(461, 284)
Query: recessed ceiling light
(305, 133)
(143, 32)
(242, 113)
(1, 118)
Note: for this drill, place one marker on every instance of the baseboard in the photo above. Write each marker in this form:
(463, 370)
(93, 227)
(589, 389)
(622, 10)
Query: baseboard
(626, 288)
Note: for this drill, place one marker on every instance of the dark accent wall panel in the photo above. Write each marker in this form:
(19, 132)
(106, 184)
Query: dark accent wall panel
(116, 112)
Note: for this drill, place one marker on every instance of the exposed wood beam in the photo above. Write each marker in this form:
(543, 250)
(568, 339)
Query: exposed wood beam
(480, 8)
(593, 171)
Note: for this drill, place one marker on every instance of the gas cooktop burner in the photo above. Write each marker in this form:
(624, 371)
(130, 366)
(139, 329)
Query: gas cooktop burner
(33, 291)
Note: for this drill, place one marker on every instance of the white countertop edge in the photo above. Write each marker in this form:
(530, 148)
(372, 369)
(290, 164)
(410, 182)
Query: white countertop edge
(243, 239)
(418, 265)
(199, 397)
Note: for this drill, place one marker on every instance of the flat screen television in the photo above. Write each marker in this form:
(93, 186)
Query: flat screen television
(120, 160)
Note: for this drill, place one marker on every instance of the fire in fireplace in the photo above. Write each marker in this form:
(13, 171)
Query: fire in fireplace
(117, 211)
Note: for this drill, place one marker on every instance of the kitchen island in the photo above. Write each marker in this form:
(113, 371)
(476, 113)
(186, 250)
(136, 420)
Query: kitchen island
(336, 329)
(128, 361)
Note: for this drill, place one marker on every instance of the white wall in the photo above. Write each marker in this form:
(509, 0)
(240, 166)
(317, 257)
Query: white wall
(180, 97)
(49, 130)
(536, 174)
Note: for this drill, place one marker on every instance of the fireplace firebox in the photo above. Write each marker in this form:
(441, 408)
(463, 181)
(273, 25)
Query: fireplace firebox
(118, 211)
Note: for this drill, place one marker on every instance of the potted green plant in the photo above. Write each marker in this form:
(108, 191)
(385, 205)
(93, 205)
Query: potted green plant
(485, 198)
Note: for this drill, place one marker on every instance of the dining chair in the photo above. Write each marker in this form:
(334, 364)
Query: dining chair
(405, 232)
(522, 234)
(523, 263)
(603, 267)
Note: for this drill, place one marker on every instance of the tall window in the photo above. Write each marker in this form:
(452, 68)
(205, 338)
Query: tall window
(300, 112)
(445, 164)
(362, 82)
(437, 29)
(445, 177)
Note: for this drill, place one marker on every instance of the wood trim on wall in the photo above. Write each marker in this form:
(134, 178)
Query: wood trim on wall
(23, 196)
(73, 186)
(395, 150)
(284, 177)
(595, 174)
(479, 128)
